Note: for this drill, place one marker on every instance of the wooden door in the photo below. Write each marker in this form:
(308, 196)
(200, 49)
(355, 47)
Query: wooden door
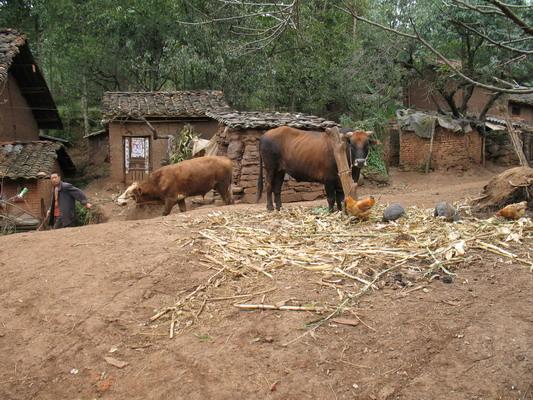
(136, 158)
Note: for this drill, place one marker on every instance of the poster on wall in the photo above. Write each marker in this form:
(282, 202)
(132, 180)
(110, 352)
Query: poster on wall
(138, 148)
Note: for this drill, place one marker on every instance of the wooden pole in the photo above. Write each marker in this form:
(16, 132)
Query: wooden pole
(517, 144)
(428, 164)
(338, 143)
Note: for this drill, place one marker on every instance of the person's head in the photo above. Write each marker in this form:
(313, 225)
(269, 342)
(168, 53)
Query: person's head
(55, 179)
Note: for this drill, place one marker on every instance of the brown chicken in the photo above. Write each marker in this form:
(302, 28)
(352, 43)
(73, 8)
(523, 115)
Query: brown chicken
(513, 211)
(359, 208)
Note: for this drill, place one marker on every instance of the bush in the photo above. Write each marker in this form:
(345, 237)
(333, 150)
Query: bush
(181, 147)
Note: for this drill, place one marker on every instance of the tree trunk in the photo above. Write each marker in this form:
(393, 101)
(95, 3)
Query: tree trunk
(84, 106)
(338, 143)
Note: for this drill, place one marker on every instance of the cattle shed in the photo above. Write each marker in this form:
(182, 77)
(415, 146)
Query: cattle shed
(447, 143)
(499, 148)
(238, 138)
(29, 165)
(140, 124)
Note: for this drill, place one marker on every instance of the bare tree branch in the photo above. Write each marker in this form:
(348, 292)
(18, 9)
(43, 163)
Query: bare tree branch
(488, 39)
(480, 9)
(512, 16)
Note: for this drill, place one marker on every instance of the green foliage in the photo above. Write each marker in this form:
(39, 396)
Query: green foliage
(181, 147)
(82, 214)
(376, 163)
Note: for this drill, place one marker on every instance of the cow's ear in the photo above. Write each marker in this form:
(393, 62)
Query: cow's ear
(374, 142)
(137, 192)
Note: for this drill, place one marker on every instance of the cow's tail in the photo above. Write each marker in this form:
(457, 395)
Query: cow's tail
(260, 179)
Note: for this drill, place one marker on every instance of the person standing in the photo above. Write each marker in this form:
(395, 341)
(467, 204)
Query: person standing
(62, 212)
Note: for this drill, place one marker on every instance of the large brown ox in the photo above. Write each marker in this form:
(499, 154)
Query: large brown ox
(171, 184)
(307, 157)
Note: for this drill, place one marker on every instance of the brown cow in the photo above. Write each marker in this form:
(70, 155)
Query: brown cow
(308, 157)
(171, 184)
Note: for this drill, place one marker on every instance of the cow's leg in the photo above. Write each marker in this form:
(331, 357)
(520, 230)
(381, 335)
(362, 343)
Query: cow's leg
(330, 194)
(270, 177)
(169, 203)
(278, 183)
(339, 197)
(181, 205)
(224, 189)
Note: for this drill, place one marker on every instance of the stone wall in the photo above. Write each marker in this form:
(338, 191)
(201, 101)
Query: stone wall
(450, 150)
(500, 150)
(242, 147)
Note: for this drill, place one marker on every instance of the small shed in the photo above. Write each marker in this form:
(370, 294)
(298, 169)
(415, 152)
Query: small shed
(98, 147)
(452, 143)
(139, 125)
(29, 165)
(238, 138)
(499, 148)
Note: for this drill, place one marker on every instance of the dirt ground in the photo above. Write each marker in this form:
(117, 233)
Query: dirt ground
(71, 297)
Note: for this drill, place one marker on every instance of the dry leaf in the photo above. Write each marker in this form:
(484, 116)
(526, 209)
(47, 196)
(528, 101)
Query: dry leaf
(116, 363)
(345, 321)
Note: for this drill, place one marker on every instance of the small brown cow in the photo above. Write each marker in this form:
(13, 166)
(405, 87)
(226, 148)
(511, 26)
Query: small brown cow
(171, 184)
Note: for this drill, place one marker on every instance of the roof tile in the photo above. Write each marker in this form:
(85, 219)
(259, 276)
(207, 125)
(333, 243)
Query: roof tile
(10, 42)
(269, 120)
(184, 104)
(27, 160)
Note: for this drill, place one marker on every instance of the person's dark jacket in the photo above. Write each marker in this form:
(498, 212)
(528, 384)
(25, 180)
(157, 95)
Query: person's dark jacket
(68, 194)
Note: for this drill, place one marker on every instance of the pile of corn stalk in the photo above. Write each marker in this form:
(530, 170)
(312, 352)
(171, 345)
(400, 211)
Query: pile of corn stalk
(352, 257)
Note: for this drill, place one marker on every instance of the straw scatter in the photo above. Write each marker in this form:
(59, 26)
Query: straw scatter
(260, 253)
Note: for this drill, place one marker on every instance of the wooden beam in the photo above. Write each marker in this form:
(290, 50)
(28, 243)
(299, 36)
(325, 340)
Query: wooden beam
(338, 143)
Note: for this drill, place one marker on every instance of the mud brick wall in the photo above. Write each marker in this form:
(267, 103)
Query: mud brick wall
(450, 150)
(242, 147)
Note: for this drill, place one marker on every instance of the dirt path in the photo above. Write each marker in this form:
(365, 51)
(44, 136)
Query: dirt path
(407, 188)
(68, 297)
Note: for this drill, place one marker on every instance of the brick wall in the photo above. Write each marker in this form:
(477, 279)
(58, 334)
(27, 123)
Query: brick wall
(32, 202)
(450, 150)
(242, 147)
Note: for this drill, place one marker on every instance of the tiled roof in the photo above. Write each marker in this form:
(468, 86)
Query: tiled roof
(28, 160)
(522, 98)
(184, 104)
(10, 43)
(503, 123)
(269, 120)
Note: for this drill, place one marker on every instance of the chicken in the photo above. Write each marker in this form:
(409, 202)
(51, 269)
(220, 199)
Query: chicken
(513, 211)
(447, 211)
(393, 212)
(359, 208)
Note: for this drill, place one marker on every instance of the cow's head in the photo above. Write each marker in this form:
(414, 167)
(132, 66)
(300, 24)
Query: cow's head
(132, 192)
(359, 146)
